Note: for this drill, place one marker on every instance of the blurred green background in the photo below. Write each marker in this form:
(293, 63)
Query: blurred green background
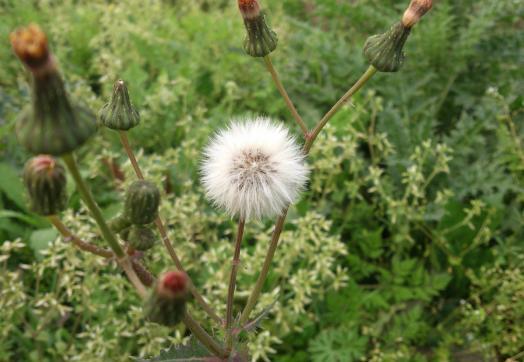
(408, 244)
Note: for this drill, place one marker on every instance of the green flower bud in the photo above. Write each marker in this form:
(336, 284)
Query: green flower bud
(141, 238)
(51, 125)
(260, 40)
(142, 201)
(385, 51)
(166, 304)
(119, 113)
(45, 181)
(119, 223)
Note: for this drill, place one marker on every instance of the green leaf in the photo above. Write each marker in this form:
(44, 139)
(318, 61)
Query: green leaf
(12, 185)
(40, 239)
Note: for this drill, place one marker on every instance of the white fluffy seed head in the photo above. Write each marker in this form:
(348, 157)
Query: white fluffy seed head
(253, 169)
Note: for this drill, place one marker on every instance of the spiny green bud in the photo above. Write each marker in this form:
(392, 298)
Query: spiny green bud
(385, 51)
(52, 124)
(260, 40)
(141, 237)
(119, 113)
(166, 304)
(45, 181)
(142, 201)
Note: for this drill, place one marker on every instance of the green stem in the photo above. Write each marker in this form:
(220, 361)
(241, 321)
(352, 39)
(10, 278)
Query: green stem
(108, 235)
(354, 89)
(165, 238)
(85, 193)
(204, 337)
(255, 293)
(232, 285)
(284, 94)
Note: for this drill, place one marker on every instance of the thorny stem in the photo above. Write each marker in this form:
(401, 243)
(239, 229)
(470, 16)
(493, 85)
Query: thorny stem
(232, 284)
(165, 238)
(108, 235)
(279, 225)
(284, 94)
(204, 337)
(255, 293)
(354, 89)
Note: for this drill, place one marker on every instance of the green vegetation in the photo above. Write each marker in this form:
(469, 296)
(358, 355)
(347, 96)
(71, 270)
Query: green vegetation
(408, 244)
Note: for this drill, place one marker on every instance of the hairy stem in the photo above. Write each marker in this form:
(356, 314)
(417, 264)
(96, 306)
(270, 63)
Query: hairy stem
(255, 293)
(354, 89)
(108, 235)
(232, 284)
(284, 94)
(165, 238)
(204, 337)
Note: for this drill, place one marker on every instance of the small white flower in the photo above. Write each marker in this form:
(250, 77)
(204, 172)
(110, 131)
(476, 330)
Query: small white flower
(253, 169)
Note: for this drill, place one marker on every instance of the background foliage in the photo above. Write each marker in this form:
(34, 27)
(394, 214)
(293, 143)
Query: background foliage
(408, 245)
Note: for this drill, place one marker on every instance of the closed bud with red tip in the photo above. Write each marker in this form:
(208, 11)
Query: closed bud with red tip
(167, 302)
(260, 40)
(45, 181)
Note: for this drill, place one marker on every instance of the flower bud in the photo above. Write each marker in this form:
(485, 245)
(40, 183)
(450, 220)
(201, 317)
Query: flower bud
(142, 201)
(45, 181)
(119, 223)
(51, 125)
(119, 113)
(260, 40)
(385, 51)
(415, 11)
(167, 303)
(141, 238)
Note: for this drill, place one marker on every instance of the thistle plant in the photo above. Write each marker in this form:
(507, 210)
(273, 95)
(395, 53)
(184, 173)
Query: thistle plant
(252, 169)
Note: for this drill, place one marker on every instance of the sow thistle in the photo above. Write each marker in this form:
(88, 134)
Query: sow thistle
(253, 168)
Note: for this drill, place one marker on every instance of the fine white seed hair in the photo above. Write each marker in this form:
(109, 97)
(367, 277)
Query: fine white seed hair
(253, 169)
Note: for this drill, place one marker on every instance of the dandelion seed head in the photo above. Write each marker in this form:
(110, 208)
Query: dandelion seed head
(253, 169)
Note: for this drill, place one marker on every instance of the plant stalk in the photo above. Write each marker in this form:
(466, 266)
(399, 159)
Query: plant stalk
(165, 238)
(255, 293)
(108, 235)
(354, 89)
(204, 337)
(283, 92)
(232, 284)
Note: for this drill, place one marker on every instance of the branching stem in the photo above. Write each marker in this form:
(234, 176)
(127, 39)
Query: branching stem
(165, 238)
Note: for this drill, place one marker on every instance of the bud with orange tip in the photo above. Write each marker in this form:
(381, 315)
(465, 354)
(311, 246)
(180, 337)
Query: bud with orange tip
(260, 40)
(167, 302)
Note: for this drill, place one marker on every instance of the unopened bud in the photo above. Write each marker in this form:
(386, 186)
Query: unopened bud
(142, 201)
(119, 113)
(260, 40)
(45, 181)
(141, 237)
(385, 51)
(415, 11)
(167, 302)
(51, 125)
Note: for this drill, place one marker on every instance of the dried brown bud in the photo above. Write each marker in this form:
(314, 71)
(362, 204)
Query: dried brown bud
(30, 45)
(249, 8)
(415, 11)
